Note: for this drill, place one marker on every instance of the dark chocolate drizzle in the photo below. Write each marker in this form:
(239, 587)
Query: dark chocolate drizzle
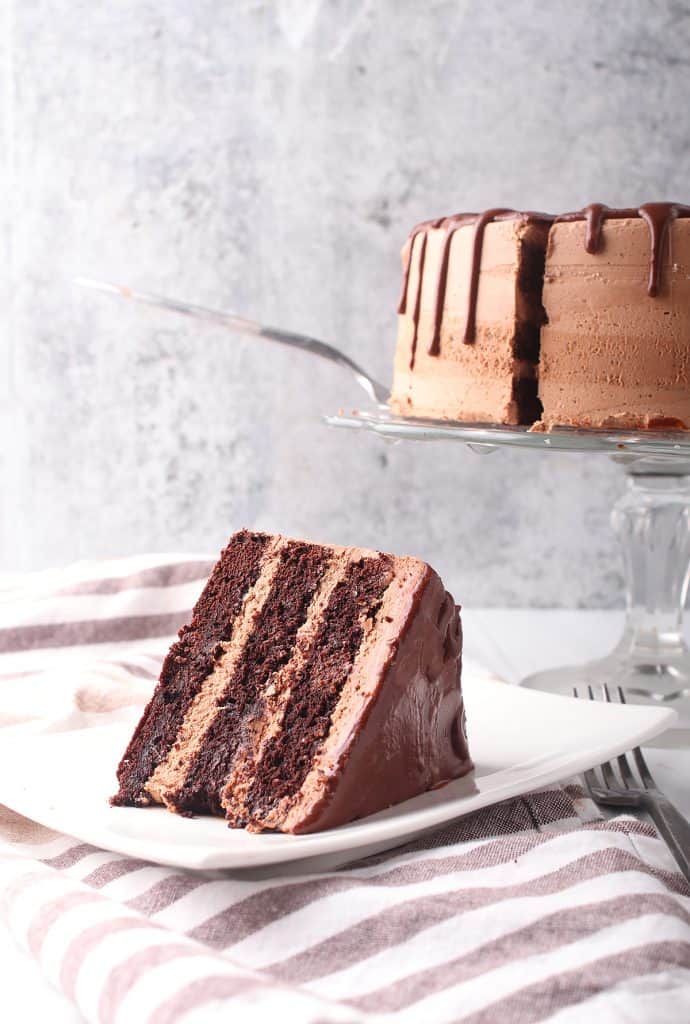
(657, 216)
(420, 230)
(480, 223)
(450, 225)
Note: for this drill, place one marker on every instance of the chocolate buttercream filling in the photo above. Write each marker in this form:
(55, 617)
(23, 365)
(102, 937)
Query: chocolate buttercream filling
(268, 649)
(287, 757)
(269, 717)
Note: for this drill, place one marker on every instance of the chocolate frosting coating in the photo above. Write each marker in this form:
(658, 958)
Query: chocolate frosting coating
(411, 737)
(658, 217)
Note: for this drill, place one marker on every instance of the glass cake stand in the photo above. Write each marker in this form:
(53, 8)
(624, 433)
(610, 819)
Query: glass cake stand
(651, 661)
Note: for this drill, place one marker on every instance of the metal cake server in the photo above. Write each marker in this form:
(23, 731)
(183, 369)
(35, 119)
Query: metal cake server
(241, 325)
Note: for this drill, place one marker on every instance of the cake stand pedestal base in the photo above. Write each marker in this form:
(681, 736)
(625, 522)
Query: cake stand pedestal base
(651, 662)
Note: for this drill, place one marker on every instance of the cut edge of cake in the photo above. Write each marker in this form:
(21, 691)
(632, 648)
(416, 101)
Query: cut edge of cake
(437, 260)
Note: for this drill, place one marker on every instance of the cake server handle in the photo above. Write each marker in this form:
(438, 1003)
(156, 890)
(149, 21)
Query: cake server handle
(377, 392)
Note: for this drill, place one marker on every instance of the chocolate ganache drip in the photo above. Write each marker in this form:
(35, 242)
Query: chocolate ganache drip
(450, 225)
(658, 217)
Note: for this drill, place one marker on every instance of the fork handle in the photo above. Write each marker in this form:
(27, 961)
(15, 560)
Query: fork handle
(673, 827)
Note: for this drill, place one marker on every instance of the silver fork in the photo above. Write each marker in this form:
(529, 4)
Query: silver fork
(624, 790)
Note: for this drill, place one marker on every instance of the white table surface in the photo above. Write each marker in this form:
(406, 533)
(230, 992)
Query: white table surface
(512, 643)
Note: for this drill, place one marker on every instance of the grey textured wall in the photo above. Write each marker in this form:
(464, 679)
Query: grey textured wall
(270, 157)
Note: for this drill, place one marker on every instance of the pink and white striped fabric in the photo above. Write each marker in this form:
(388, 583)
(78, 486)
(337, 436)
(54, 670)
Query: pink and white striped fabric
(534, 910)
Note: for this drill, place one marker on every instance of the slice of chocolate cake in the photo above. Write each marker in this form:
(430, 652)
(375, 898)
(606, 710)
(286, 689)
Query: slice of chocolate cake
(313, 686)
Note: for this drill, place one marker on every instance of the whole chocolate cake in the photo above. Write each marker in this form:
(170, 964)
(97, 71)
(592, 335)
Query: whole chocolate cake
(313, 686)
(579, 319)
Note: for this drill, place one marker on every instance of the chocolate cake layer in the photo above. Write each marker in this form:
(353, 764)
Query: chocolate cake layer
(190, 660)
(287, 759)
(269, 648)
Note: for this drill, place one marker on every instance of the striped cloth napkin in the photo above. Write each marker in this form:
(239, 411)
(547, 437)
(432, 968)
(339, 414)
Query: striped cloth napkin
(537, 909)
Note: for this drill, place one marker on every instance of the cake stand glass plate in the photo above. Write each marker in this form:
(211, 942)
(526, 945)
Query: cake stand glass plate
(42, 777)
(651, 662)
(488, 437)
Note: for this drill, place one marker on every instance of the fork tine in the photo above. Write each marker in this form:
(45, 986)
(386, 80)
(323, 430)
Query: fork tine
(623, 766)
(590, 781)
(626, 771)
(609, 776)
(607, 772)
(642, 768)
(588, 777)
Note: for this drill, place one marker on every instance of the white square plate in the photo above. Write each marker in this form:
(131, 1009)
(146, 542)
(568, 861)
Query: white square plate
(520, 740)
